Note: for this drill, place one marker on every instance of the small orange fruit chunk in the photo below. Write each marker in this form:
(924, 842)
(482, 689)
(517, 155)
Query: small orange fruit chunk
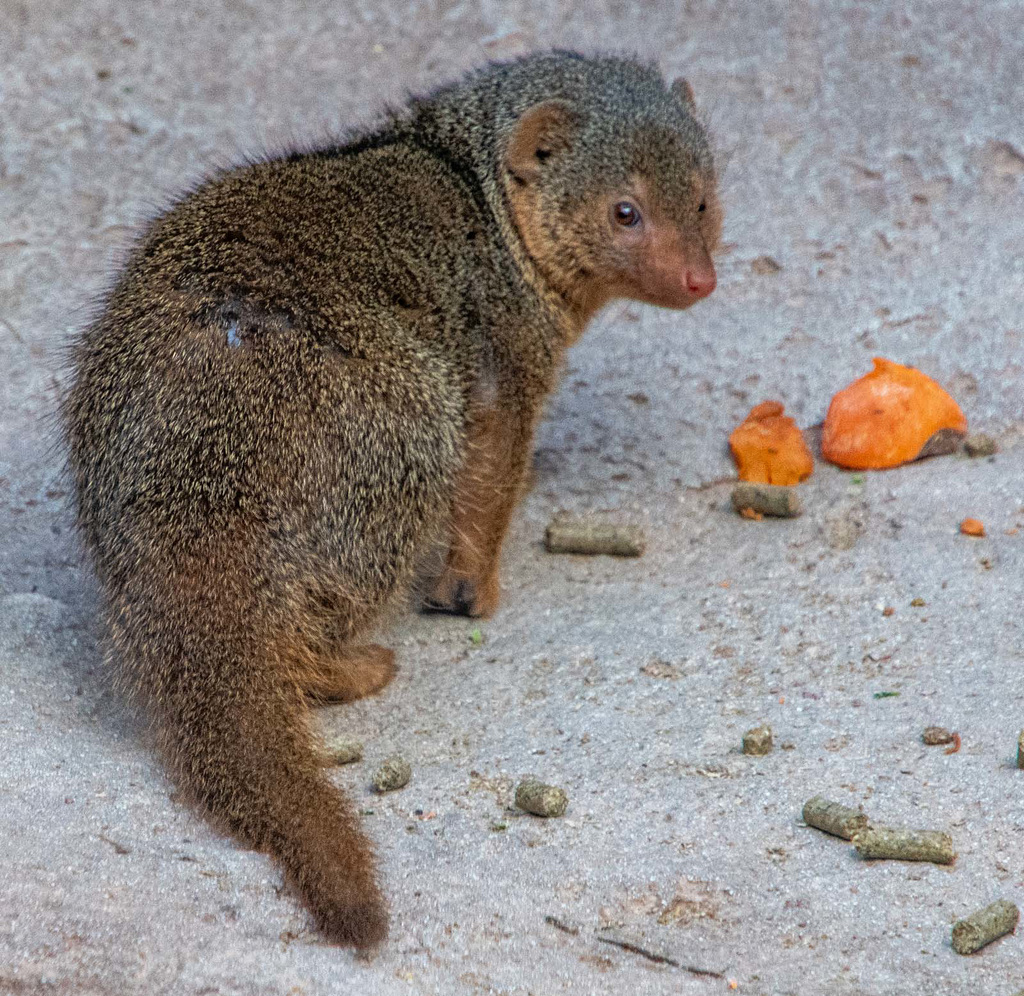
(887, 417)
(972, 527)
(769, 447)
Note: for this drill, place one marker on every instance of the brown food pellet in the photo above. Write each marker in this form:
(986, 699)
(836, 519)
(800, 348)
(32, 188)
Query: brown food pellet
(935, 735)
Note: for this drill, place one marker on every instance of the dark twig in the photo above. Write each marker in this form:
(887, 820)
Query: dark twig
(659, 958)
(118, 848)
(561, 925)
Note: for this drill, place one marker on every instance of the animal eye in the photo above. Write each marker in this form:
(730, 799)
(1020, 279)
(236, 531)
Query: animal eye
(702, 207)
(626, 214)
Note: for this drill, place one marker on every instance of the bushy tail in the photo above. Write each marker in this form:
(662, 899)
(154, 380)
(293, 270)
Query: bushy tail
(235, 731)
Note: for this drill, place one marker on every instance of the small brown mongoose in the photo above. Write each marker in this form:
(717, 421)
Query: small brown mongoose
(315, 368)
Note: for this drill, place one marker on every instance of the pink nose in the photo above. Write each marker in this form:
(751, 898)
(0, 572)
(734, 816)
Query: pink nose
(701, 282)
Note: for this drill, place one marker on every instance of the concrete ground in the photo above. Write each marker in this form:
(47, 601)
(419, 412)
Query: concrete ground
(875, 152)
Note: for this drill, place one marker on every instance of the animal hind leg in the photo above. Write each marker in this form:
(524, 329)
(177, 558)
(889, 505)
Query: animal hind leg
(348, 672)
(323, 656)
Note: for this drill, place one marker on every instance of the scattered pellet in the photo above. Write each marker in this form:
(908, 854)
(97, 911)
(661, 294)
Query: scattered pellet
(764, 265)
(1020, 750)
(392, 774)
(980, 444)
(935, 735)
(833, 817)
(766, 499)
(343, 751)
(905, 845)
(581, 536)
(984, 926)
(842, 534)
(540, 799)
(846, 520)
(758, 740)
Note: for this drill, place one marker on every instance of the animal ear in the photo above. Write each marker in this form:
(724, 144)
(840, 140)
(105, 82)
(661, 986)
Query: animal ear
(542, 131)
(683, 92)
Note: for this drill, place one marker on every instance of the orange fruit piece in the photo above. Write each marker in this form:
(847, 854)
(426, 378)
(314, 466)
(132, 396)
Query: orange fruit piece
(769, 447)
(972, 527)
(887, 418)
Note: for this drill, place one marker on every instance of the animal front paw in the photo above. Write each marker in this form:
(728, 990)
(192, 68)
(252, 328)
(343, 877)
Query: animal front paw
(459, 595)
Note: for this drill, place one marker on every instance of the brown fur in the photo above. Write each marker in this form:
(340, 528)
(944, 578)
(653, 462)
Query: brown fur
(314, 368)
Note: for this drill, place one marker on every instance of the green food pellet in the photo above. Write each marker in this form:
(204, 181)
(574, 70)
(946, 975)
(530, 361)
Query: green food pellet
(984, 926)
(594, 538)
(344, 751)
(980, 445)
(758, 740)
(766, 499)
(542, 800)
(892, 843)
(392, 774)
(833, 817)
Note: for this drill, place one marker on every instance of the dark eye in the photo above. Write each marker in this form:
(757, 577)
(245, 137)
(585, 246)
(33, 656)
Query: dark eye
(626, 214)
(702, 207)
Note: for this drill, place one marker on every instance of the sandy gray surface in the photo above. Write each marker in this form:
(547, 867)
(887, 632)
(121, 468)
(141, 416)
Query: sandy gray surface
(875, 152)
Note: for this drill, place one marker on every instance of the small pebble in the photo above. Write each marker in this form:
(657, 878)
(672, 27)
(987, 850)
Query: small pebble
(934, 735)
(758, 740)
(344, 751)
(535, 797)
(980, 444)
(394, 773)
